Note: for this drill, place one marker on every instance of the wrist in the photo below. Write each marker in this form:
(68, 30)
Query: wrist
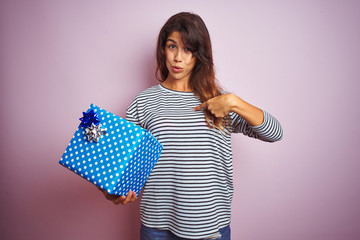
(251, 114)
(235, 103)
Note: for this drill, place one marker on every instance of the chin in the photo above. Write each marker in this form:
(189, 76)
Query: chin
(176, 77)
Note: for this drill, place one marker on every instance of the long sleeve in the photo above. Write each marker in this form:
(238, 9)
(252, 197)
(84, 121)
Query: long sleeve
(269, 131)
(132, 114)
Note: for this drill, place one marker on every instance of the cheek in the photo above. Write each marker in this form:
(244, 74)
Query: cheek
(168, 66)
(167, 59)
(191, 62)
(168, 55)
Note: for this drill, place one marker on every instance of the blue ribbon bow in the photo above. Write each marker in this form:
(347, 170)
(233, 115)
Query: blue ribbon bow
(89, 118)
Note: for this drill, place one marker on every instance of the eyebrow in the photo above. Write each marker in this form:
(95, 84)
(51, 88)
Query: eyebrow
(169, 39)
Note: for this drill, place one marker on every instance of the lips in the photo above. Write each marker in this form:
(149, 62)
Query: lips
(176, 69)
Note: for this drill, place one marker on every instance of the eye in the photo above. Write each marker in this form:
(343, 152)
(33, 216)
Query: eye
(172, 46)
(187, 50)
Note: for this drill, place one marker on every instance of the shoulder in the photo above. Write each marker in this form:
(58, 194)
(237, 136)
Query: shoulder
(148, 95)
(149, 92)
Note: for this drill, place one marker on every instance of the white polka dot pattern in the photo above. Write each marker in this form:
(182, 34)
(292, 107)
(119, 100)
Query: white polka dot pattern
(121, 161)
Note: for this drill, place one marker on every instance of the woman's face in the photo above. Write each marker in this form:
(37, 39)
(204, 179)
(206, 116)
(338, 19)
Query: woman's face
(179, 60)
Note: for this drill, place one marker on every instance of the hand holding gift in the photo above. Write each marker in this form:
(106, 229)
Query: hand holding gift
(112, 153)
(131, 197)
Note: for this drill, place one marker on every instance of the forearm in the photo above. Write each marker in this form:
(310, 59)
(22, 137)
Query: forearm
(221, 105)
(251, 114)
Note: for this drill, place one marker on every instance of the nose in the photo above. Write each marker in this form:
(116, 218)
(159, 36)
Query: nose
(178, 56)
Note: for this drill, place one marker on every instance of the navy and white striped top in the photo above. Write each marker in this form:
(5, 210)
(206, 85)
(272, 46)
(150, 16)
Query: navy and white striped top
(190, 190)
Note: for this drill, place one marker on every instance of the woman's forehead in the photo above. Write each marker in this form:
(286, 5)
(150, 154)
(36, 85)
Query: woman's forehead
(176, 37)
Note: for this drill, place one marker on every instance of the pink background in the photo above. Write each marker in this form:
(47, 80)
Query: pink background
(299, 60)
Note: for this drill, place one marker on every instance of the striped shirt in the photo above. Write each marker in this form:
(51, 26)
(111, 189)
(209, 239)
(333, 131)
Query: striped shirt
(190, 190)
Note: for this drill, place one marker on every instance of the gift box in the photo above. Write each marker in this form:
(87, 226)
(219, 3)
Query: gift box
(111, 152)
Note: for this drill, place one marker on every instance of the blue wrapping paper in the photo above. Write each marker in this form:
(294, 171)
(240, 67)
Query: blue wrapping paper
(120, 161)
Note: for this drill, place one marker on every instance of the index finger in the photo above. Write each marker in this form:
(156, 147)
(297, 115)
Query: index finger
(201, 106)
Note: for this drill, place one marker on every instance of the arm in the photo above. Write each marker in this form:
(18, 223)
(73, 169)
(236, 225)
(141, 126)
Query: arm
(221, 106)
(132, 114)
(246, 118)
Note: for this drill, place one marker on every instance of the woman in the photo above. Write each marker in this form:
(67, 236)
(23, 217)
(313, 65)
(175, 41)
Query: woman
(188, 195)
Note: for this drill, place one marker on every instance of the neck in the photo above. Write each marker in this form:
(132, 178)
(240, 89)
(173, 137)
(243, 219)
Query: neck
(177, 85)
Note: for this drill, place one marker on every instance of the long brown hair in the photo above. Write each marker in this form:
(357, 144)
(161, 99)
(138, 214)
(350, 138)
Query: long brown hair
(195, 37)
